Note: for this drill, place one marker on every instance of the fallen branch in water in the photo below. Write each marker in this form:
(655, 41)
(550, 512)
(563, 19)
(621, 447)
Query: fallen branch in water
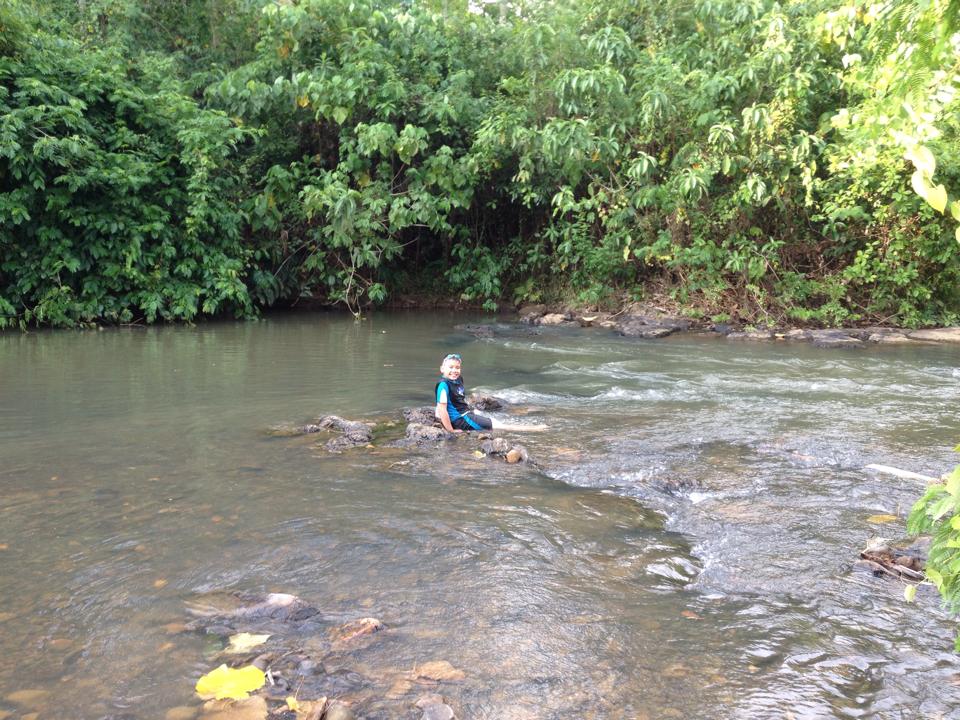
(905, 474)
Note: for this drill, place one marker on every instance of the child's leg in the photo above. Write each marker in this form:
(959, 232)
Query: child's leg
(497, 425)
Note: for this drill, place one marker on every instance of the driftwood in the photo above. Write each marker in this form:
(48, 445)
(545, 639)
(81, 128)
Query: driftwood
(881, 556)
(905, 474)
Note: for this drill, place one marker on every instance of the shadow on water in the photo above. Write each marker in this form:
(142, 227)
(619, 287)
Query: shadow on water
(684, 548)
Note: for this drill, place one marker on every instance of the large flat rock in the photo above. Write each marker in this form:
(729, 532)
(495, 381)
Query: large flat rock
(950, 334)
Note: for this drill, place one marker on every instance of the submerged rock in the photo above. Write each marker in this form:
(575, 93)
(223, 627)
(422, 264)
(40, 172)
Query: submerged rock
(480, 331)
(834, 339)
(354, 629)
(252, 609)
(353, 432)
(339, 711)
(478, 401)
(501, 447)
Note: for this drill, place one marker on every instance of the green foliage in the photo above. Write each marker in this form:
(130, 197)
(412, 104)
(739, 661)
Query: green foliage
(753, 157)
(938, 513)
(115, 194)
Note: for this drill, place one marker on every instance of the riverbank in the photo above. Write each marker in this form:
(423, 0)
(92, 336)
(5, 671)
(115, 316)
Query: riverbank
(651, 322)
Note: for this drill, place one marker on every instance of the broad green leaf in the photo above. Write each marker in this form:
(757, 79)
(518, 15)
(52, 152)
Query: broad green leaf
(340, 114)
(232, 683)
(922, 159)
(920, 185)
(909, 593)
(953, 482)
(955, 210)
(935, 577)
(937, 197)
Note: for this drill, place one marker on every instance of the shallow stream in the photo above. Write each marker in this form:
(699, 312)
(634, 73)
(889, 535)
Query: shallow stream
(684, 547)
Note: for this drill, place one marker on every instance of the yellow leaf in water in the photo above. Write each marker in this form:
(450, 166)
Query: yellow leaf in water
(232, 683)
(241, 642)
(881, 518)
(292, 703)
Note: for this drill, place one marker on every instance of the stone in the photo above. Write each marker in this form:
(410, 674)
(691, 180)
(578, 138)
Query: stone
(437, 712)
(496, 446)
(796, 334)
(422, 415)
(312, 709)
(439, 670)
(30, 698)
(890, 339)
(514, 455)
(751, 335)
(253, 708)
(608, 324)
(418, 434)
(532, 310)
(552, 319)
(653, 332)
(429, 699)
(478, 401)
(950, 334)
(722, 328)
(339, 711)
(834, 339)
(355, 629)
(400, 688)
(480, 331)
(181, 712)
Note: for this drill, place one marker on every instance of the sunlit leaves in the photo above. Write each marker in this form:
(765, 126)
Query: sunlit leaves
(230, 683)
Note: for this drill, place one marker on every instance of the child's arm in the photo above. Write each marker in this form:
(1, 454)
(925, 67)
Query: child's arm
(444, 417)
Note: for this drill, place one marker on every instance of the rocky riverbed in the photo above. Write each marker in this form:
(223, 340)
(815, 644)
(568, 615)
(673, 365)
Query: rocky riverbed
(648, 322)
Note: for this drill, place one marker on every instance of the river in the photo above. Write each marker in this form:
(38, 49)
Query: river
(684, 547)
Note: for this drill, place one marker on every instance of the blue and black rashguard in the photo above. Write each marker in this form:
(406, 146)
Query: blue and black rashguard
(453, 394)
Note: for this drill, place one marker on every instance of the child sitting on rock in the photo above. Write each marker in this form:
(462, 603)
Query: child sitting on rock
(452, 410)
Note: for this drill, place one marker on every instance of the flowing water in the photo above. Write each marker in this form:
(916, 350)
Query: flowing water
(684, 547)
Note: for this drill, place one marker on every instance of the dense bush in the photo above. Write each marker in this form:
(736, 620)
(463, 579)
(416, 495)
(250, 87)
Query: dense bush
(751, 157)
(117, 198)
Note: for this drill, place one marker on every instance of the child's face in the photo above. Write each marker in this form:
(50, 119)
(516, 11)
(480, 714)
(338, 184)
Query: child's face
(450, 368)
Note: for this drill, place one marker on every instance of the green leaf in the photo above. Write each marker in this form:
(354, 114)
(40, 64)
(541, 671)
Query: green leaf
(935, 577)
(909, 593)
(937, 197)
(340, 114)
(922, 159)
(920, 185)
(953, 482)
(955, 210)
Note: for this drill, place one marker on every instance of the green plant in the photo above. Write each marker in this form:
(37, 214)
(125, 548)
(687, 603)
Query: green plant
(937, 512)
